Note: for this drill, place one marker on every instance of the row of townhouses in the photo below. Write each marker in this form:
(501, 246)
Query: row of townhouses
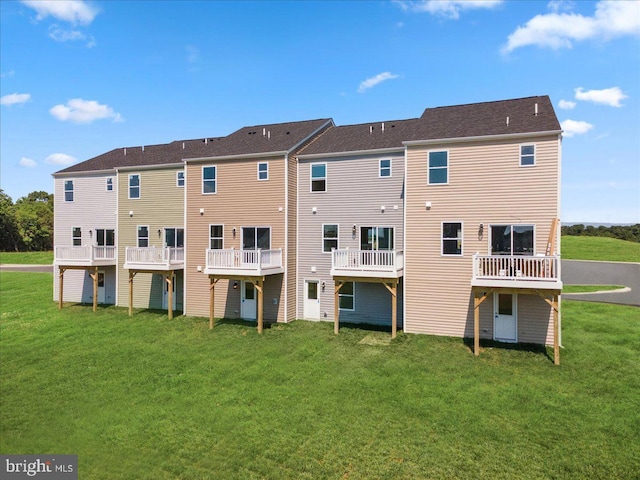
(444, 224)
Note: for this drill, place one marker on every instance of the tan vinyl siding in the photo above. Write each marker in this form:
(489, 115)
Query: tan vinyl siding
(486, 186)
(240, 201)
(161, 204)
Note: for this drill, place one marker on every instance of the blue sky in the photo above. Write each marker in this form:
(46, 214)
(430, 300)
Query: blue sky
(80, 78)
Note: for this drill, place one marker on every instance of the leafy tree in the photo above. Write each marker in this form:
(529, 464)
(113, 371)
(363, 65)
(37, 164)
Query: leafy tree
(9, 238)
(34, 220)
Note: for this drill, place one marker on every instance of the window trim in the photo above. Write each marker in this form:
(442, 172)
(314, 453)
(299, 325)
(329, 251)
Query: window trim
(337, 237)
(429, 168)
(138, 227)
(325, 178)
(258, 172)
(352, 295)
(380, 168)
(139, 187)
(105, 230)
(164, 236)
(460, 239)
(109, 184)
(72, 191)
(528, 155)
(377, 227)
(500, 224)
(220, 238)
(256, 227)
(74, 238)
(178, 178)
(214, 180)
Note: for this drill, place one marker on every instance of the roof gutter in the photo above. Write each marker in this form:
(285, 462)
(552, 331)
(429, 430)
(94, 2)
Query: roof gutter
(235, 157)
(353, 152)
(159, 166)
(84, 172)
(506, 136)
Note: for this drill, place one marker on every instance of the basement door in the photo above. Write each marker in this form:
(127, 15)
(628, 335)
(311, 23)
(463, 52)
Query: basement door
(101, 291)
(248, 306)
(311, 300)
(505, 318)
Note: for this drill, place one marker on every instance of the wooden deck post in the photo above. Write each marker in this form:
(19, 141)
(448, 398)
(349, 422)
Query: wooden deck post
(556, 331)
(169, 279)
(259, 287)
(60, 287)
(212, 297)
(336, 306)
(476, 324)
(393, 290)
(94, 277)
(131, 275)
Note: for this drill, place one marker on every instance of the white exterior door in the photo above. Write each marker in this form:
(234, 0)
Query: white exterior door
(505, 319)
(165, 294)
(248, 306)
(101, 290)
(311, 300)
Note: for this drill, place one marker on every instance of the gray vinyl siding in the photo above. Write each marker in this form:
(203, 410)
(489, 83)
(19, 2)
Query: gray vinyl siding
(354, 196)
(92, 207)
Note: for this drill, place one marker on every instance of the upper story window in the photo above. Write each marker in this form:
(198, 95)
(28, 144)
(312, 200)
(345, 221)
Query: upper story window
(216, 234)
(76, 235)
(385, 167)
(318, 177)
(438, 167)
(512, 239)
(254, 238)
(376, 238)
(263, 171)
(68, 190)
(105, 237)
(329, 237)
(174, 237)
(134, 186)
(527, 155)
(452, 238)
(109, 184)
(180, 179)
(209, 179)
(143, 236)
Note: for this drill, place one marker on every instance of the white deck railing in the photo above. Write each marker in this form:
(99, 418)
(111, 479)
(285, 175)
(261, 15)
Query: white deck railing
(367, 260)
(87, 253)
(516, 267)
(154, 256)
(230, 259)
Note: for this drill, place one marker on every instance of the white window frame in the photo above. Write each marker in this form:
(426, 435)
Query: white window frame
(105, 230)
(216, 238)
(528, 154)
(255, 237)
(139, 187)
(459, 239)
(325, 178)
(214, 180)
(109, 184)
(74, 238)
(499, 224)
(353, 295)
(378, 227)
(337, 237)
(72, 191)
(381, 168)
(429, 168)
(178, 179)
(176, 230)
(258, 171)
(138, 237)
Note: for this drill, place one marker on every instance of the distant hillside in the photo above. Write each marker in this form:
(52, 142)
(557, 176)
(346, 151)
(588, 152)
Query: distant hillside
(630, 233)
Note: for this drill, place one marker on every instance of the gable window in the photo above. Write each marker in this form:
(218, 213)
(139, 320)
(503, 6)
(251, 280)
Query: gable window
(76, 235)
(512, 239)
(216, 240)
(318, 177)
(134, 186)
(143, 236)
(376, 238)
(347, 297)
(255, 238)
(438, 167)
(105, 238)
(329, 237)
(68, 190)
(385, 168)
(179, 179)
(452, 238)
(109, 184)
(527, 155)
(209, 178)
(263, 171)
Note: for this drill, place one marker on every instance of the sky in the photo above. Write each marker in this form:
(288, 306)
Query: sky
(80, 78)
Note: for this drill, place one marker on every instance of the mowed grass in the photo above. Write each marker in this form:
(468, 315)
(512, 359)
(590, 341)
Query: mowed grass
(26, 258)
(589, 288)
(149, 398)
(599, 248)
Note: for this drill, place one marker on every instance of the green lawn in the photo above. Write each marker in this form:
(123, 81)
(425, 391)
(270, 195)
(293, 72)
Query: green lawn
(589, 288)
(24, 258)
(146, 397)
(599, 248)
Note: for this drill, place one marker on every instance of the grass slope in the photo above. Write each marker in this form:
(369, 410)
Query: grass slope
(146, 397)
(26, 258)
(599, 248)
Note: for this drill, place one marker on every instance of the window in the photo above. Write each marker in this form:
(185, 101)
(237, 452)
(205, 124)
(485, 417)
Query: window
(512, 240)
(68, 190)
(263, 171)
(452, 238)
(76, 235)
(318, 177)
(438, 167)
(209, 180)
(179, 179)
(527, 155)
(134, 186)
(376, 238)
(254, 238)
(109, 184)
(143, 236)
(347, 296)
(105, 238)
(216, 240)
(329, 237)
(385, 168)
(174, 237)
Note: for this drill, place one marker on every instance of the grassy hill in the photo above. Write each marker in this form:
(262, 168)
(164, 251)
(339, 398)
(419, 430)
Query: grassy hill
(599, 248)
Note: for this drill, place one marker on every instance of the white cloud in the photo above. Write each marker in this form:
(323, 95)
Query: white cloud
(566, 104)
(15, 98)
(373, 81)
(560, 5)
(27, 163)
(78, 110)
(61, 35)
(445, 8)
(8, 74)
(559, 30)
(72, 11)
(607, 96)
(60, 159)
(575, 127)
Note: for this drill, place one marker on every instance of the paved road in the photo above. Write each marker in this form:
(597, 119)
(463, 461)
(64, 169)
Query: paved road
(582, 272)
(26, 268)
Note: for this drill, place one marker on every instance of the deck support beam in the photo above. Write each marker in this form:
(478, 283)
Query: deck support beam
(478, 298)
(212, 298)
(169, 279)
(259, 286)
(336, 305)
(60, 286)
(554, 304)
(393, 290)
(94, 278)
(131, 275)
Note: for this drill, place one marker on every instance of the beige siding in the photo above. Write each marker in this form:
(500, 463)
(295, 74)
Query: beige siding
(240, 201)
(161, 204)
(486, 186)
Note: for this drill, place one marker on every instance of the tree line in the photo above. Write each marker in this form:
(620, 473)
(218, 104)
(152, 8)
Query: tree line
(27, 225)
(622, 232)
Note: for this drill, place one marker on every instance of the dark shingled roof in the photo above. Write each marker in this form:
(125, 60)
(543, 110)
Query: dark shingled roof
(471, 120)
